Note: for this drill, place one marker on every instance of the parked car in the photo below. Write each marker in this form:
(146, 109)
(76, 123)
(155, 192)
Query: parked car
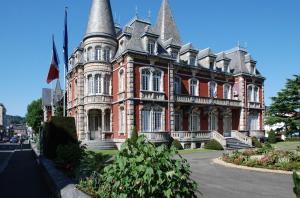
(14, 140)
(294, 134)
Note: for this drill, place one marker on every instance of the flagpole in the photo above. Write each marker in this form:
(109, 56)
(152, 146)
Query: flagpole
(66, 56)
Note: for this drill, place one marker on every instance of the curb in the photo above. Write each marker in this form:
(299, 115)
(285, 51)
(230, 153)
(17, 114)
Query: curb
(230, 165)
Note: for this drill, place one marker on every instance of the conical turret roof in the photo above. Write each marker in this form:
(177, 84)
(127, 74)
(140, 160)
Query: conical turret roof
(101, 21)
(166, 25)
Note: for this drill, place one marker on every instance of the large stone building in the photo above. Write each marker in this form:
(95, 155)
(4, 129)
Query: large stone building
(142, 76)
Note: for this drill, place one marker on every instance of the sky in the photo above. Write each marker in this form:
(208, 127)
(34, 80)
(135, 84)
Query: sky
(269, 29)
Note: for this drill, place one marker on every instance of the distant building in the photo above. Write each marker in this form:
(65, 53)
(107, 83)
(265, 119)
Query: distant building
(51, 98)
(3, 123)
(19, 129)
(142, 76)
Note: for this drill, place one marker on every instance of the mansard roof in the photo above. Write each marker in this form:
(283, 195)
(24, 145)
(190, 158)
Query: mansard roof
(222, 56)
(166, 25)
(101, 21)
(188, 47)
(206, 52)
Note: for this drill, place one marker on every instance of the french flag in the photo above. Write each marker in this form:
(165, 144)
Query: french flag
(54, 69)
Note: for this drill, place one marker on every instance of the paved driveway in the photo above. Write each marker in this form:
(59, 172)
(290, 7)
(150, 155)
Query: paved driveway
(218, 181)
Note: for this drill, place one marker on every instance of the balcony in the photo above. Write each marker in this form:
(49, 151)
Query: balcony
(254, 105)
(97, 99)
(191, 135)
(207, 101)
(150, 95)
(157, 137)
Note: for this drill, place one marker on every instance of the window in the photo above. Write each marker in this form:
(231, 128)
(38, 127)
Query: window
(192, 60)
(213, 121)
(211, 65)
(212, 89)
(174, 54)
(156, 80)
(89, 54)
(157, 115)
(255, 94)
(227, 91)
(145, 115)
(226, 68)
(106, 84)
(107, 120)
(193, 87)
(97, 84)
(98, 53)
(106, 55)
(177, 85)
(121, 81)
(194, 122)
(253, 121)
(178, 121)
(150, 47)
(90, 84)
(145, 79)
(122, 120)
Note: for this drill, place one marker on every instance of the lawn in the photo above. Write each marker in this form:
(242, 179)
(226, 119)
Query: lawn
(287, 146)
(107, 152)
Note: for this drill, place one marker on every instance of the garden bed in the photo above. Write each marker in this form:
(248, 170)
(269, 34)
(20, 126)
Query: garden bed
(266, 157)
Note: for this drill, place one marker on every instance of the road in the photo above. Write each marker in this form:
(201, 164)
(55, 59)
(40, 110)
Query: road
(22, 177)
(218, 181)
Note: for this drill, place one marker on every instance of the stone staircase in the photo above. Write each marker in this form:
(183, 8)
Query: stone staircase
(100, 144)
(233, 143)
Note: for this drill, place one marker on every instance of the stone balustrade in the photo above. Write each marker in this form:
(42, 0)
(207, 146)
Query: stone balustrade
(218, 137)
(241, 137)
(157, 136)
(191, 135)
(150, 95)
(207, 101)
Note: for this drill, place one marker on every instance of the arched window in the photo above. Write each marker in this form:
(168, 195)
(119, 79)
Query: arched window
(177, 85)
(97, 83)
(121, 81)
(194, 121)
(213, 89)
(98, 53)
(193, 87)
(122, 120)
(106, 55)
(89, 54)
(90, 84)
(227, 91)
(145, 80)
(156, 81)
(106, 84)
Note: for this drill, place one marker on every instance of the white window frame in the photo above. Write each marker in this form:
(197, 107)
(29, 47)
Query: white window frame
(178, 121)
(253, 93)
(149, 79)
(106, 84)
(97, 84)
(145, 78)
(254, 123)
(97, 53)
(122, 123)
(151, 47)
(154, 120)
(194, 121)
(156, 80)
(177, 85)
(106, 54)
(89, 54)
(90, 84)
(213, 93)
(213, 121)
(228, 95)
(121, 81)
(194, 88)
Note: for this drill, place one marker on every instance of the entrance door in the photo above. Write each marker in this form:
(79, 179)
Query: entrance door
(227, 126)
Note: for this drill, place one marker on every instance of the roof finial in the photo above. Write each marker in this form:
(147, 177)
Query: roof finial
(149, 15)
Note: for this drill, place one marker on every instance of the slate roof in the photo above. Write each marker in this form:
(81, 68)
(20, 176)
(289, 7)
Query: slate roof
(101, 21)
(205, 52)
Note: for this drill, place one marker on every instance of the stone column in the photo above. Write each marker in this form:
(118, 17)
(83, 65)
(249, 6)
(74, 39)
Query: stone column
(130, 96)
(103, 124)
(87, 132)
(242, 97)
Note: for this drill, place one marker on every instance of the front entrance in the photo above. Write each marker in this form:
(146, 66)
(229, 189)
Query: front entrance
(227, 126)
(95, 124)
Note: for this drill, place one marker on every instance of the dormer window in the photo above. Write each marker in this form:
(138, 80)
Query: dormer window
(174, 54)
(211, 65)
(226, 68)
(151, 47)
(192, 60)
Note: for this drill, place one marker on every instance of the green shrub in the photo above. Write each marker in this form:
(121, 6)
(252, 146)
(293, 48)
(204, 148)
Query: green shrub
(272, 137)
(266, 148)
(59, 131)
(177, 144)
(92, 162)
(256, 143)
(143, 170)
(296, 188)
(68, 157)
(213, 145)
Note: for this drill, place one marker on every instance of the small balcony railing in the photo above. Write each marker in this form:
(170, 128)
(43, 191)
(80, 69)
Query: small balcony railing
(191, 135)
(207, 101)
(151, 95)
(254, 105)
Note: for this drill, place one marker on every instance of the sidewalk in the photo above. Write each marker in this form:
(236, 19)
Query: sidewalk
(22, 178)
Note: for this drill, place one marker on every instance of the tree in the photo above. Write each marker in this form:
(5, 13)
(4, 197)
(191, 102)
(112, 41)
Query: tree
(34, 115)
(285, 106)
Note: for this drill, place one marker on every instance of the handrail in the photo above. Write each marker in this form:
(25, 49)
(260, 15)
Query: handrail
(241, 137)
(218, 137)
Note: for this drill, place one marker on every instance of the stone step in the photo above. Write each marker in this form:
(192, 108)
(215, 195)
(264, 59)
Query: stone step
(100, 145)
(232, 143)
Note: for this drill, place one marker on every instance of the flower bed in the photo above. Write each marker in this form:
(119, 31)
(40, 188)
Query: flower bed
(265, 157)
